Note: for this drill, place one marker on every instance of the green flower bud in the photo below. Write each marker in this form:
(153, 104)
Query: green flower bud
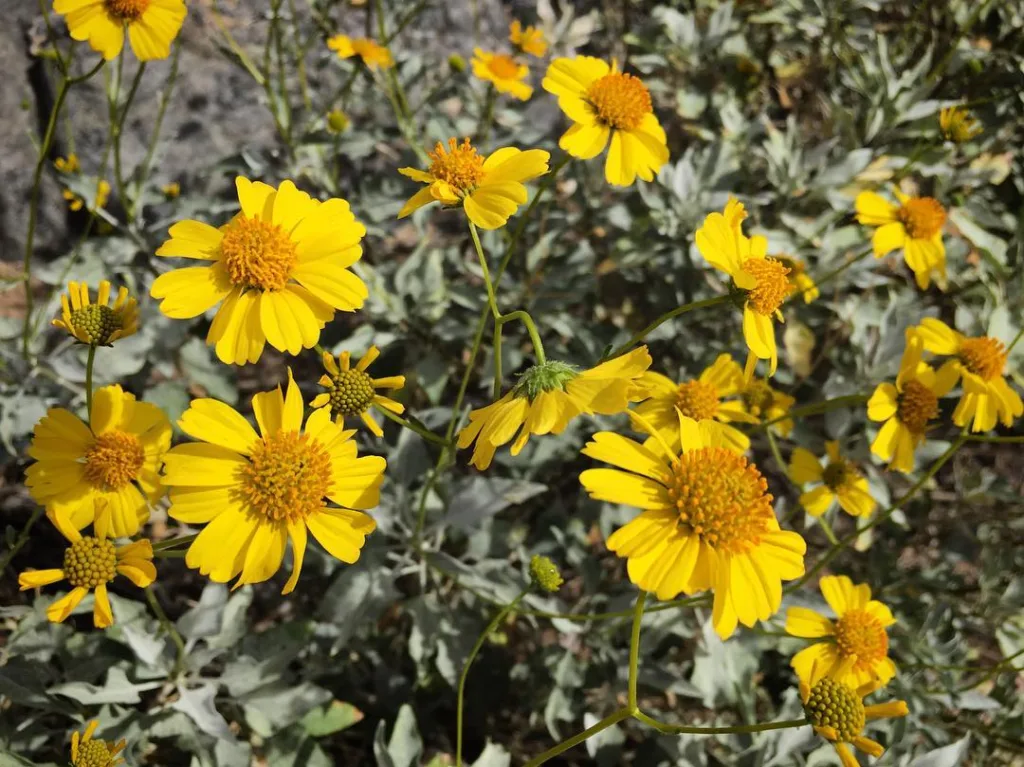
(457, 63)
(337, 121)
(548, 376)
(544, 574)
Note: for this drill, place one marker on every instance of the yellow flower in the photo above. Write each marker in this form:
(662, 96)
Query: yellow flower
(106, 472)
(86, 752)
(801, 281)
(915, 225)
(700, 399)
(764, 281)
(840, 480)
(981, 363)
(76, 203)
(604, 103)
(504, 72)
(351, 391)
(547, 397)
(958, 124)
(279, 271)
(90, 563)
(530, 40)
(98, 324)
(707, 523)
(372, 54)
(854, 647)
(67, 165)
(152, 25)
(766, 404)
(837, 712)
(907, 407)
(490, 189)
(171, 190)
(254, 492)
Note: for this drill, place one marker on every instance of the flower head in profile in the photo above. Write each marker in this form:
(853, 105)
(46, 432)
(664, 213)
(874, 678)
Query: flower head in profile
(608, 108)
(528, 40)
(803, 284)
(372, 54)
(981, 364)
(90, 563)
(547, 397)
(490, 189)
(352, 392)
(97, 324)
(763, 283)
(67, 165)
(151, 25)
(959, 125)
(279, 270)
(86, 752)
(906, 408)
(915, 226)
(105, 472)
(503, 72)
(839, 479)
(855, 646)
(254, 492)
(707, 522)
(703, 398)
(99, 202)
(837, 712)
(767, 405)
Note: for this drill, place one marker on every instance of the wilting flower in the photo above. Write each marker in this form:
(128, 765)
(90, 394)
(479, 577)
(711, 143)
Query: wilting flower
(840, 480)
(915, 225)
(254, 492)
(152, 25)
(547, 397)
(505, 73)
(86, 752)
(105, 472)
(707, 523)
(767, 405)
(958, 124)
(604, 104)
(280, 270)
(981, 363)
(98, 324)
(351, 392)
(764, 282)
(529, 40)
(489, 189)
(90, 563)
(76, 203)
(801, 281)
(854, 648)
(67, 165)
(372, 54)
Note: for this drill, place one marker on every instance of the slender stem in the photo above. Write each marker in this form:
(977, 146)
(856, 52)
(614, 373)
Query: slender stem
(34, 517)
(496, 346)
(165, 623)
(172, 543)
(827, 529)
(412, 426)
(243, 57)
(1016, 338)
(1017, 439)
(776, 453)
(117, 127)
(484, 128)
(817, 408)
(461, 697)
(531, 328)
(680, 310)
(90, 360)
(575, 740)
(634, 652)
(679, 729)
(831, 275)
(165, 99)
(491, 300)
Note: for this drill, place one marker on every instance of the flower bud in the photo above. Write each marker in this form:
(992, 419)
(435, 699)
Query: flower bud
(457, 63)
(544, 574)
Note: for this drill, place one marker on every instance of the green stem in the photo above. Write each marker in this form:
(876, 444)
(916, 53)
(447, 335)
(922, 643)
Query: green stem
(243, 57)
(680, 729)
(411, 426)
(491, 300)
(940, 68)
(575, 740)
(117, 127)
(831, 275)
(999, 440)
(827, 529)
(461, 697)
(34, 517)
(776, 453)
(531, 328)
(165, 623)
(173, 543)
(147, 162)
(1016, 338)
(634, 652)
(484, 128)
(90, 360)
(685, 308)
(817, 408)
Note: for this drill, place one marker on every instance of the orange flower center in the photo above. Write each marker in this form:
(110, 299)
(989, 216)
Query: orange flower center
(773, 286)
(758, 397)
(923, 217)
(504, 67)
(916, 406)
(860, 633)
(836, 705)
(985, 356)
(126, 10)
(838, 473)
(620, 100)
(113, 460)
(257, 254)
(697, 400)
(287, 476)
(90, 562)
(351, 392)
(721, 497)
(460, 167)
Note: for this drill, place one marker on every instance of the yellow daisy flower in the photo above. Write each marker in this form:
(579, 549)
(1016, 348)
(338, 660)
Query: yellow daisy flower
(802, 282)
(98, 324)
(765, 404)
(67, 164)
(86, 752)
(837, 712)
(255, 492)
(700, 399)
(280, 270)
(490, 189)
(351, 391)
(908, 407)
(505, 73)
(529, 40)
(105, 473)
(958, 124)
(840, 480)
(764, 281)
(915, 225)
(373, 55)
(547, 397)
(707, 522)
(152, 25)
(90, 563)
(855, 647)
(77, 203)
(604, 104)
(981, 362)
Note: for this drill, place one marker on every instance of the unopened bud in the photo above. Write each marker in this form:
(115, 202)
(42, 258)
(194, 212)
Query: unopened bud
(544, 574)
(456, 62)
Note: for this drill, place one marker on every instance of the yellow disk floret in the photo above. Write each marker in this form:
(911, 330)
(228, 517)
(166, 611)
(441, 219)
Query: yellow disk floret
(984, 356)
(460, 167)
(923, 217)
(860, 633)
(96, 322)
(126, 10)
(287, 476)
(258, 254)
(773, 285)
(90, 562)
(916, 406)
(114, 460)
(351, 392)
(836, 706)
(620, 100)
(697, 400)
